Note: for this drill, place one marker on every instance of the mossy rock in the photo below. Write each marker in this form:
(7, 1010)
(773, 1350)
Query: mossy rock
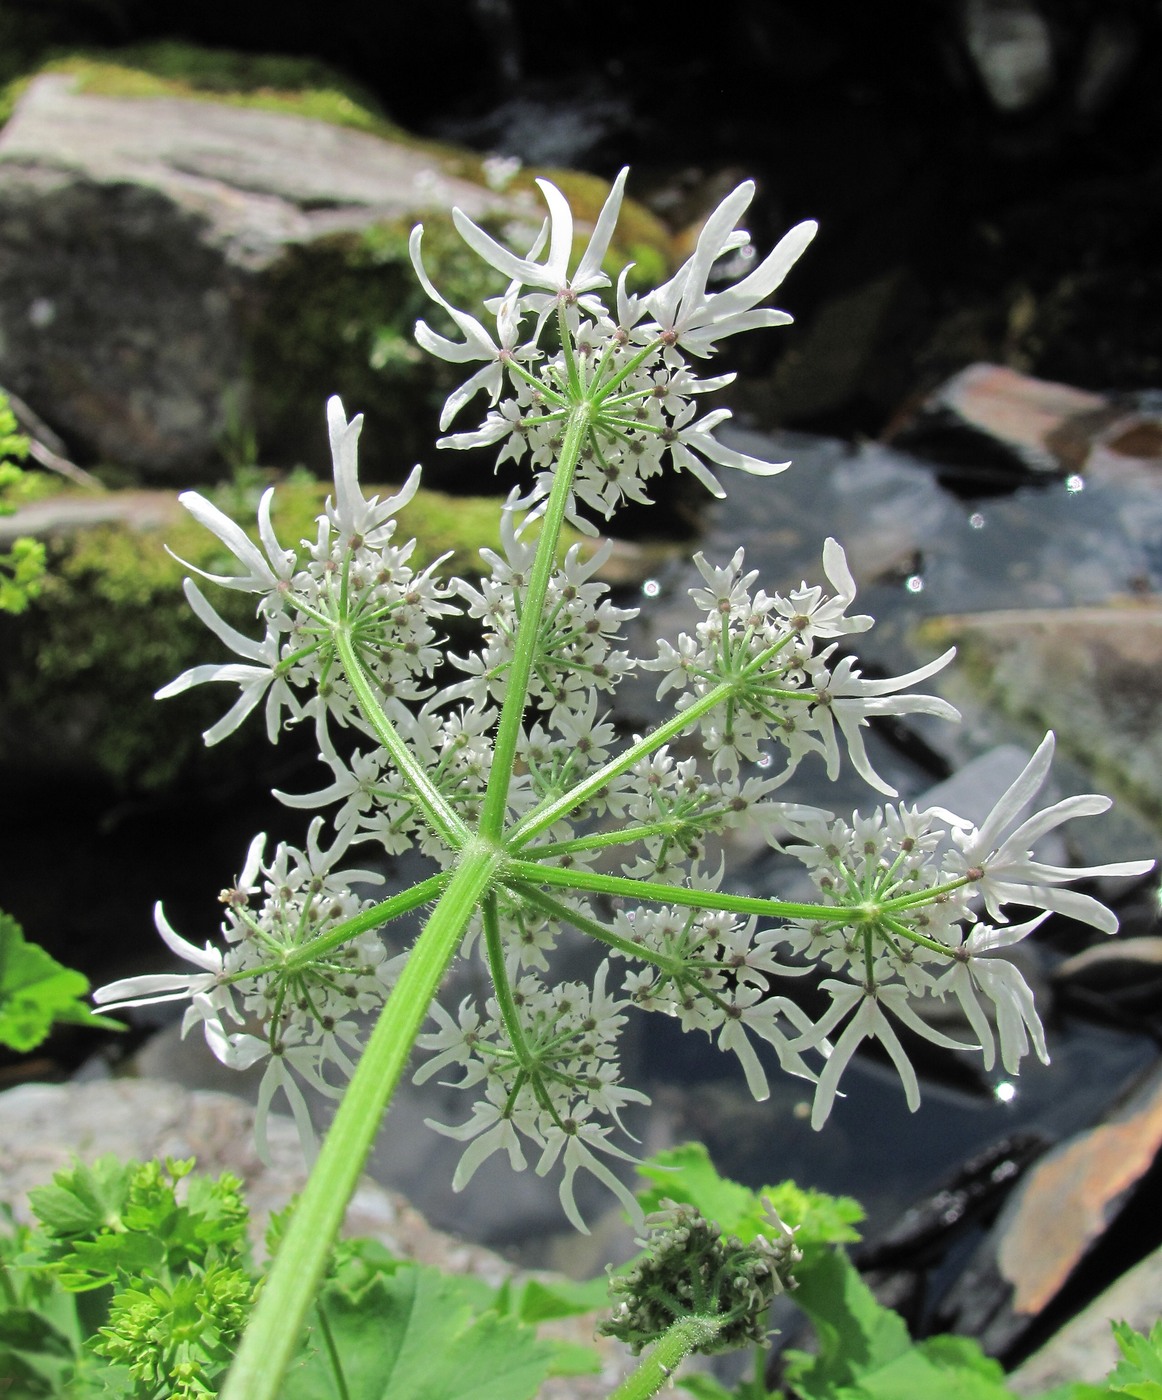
(276, 259)
(112, 626)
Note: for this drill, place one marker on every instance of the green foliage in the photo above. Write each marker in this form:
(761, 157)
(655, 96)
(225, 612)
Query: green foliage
(137, 1283)
(22, 567)
(686, 1175)
(404, 1329)
(863, 1350)
(37, 992)
(125, 1290)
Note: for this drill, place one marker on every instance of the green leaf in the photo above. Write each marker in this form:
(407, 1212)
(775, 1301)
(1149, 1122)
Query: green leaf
(84, 1199)
(686, 1175)
(704, 1387)
(36, 990)
(857, 1335)
(948, 1367)
(35, 1356)
(572, 1358)
(538, 1300)
(415, 1333)
(1139, 1373)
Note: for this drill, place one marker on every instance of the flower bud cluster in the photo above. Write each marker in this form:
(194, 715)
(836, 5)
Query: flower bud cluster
(692, 1270)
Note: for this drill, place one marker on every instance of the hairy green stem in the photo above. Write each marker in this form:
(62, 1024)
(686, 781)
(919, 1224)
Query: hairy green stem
(673, 1347)
(494, 947)
(272, 1337)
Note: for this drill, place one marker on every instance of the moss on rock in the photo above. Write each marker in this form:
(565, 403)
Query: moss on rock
(112, 626)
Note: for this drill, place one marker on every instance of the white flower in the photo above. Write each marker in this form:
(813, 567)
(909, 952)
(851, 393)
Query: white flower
(578, 1137)
(1003, 868)
(264, 677)
(552, 276)
(262, 574)
(812, 613)
(477, 343)
(868, 1021)
(693, 318)
(1000, 981)
(350, 513)
(688, 444)
(848, 700)
(166, 986)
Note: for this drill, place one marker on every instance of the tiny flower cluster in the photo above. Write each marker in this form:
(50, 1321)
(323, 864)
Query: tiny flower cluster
(907, 887)
(351, 569)
(277, 972)
(781, 687)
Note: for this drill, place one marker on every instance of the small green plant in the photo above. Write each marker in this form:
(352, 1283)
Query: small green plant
(22, 567)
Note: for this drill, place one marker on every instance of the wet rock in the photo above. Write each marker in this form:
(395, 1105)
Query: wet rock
(989, 419)
(1128, 449)
(1125, 974)
(1051, 1226)
(899, 1261)
(1093, 675)
(44, 1127)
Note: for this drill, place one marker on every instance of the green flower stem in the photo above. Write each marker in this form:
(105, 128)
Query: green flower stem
(521, 667)
(494, 946)
(624, 836)
(548, 813)
(441, 817)
(369, 919)
(673, 1347)
(273, 1335)
(545, 815)
(900, 902)
(556, 910)
(530, 872)
(932, 944)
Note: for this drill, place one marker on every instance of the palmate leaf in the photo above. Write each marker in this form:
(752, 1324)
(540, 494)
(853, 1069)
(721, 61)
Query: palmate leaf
(36, 991)
(417, 1332)
(687, 1176)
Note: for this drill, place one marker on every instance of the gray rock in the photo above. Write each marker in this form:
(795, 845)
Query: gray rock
(1011, 46)
(1084, 1349)
(1092, 674)
(149, 251)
